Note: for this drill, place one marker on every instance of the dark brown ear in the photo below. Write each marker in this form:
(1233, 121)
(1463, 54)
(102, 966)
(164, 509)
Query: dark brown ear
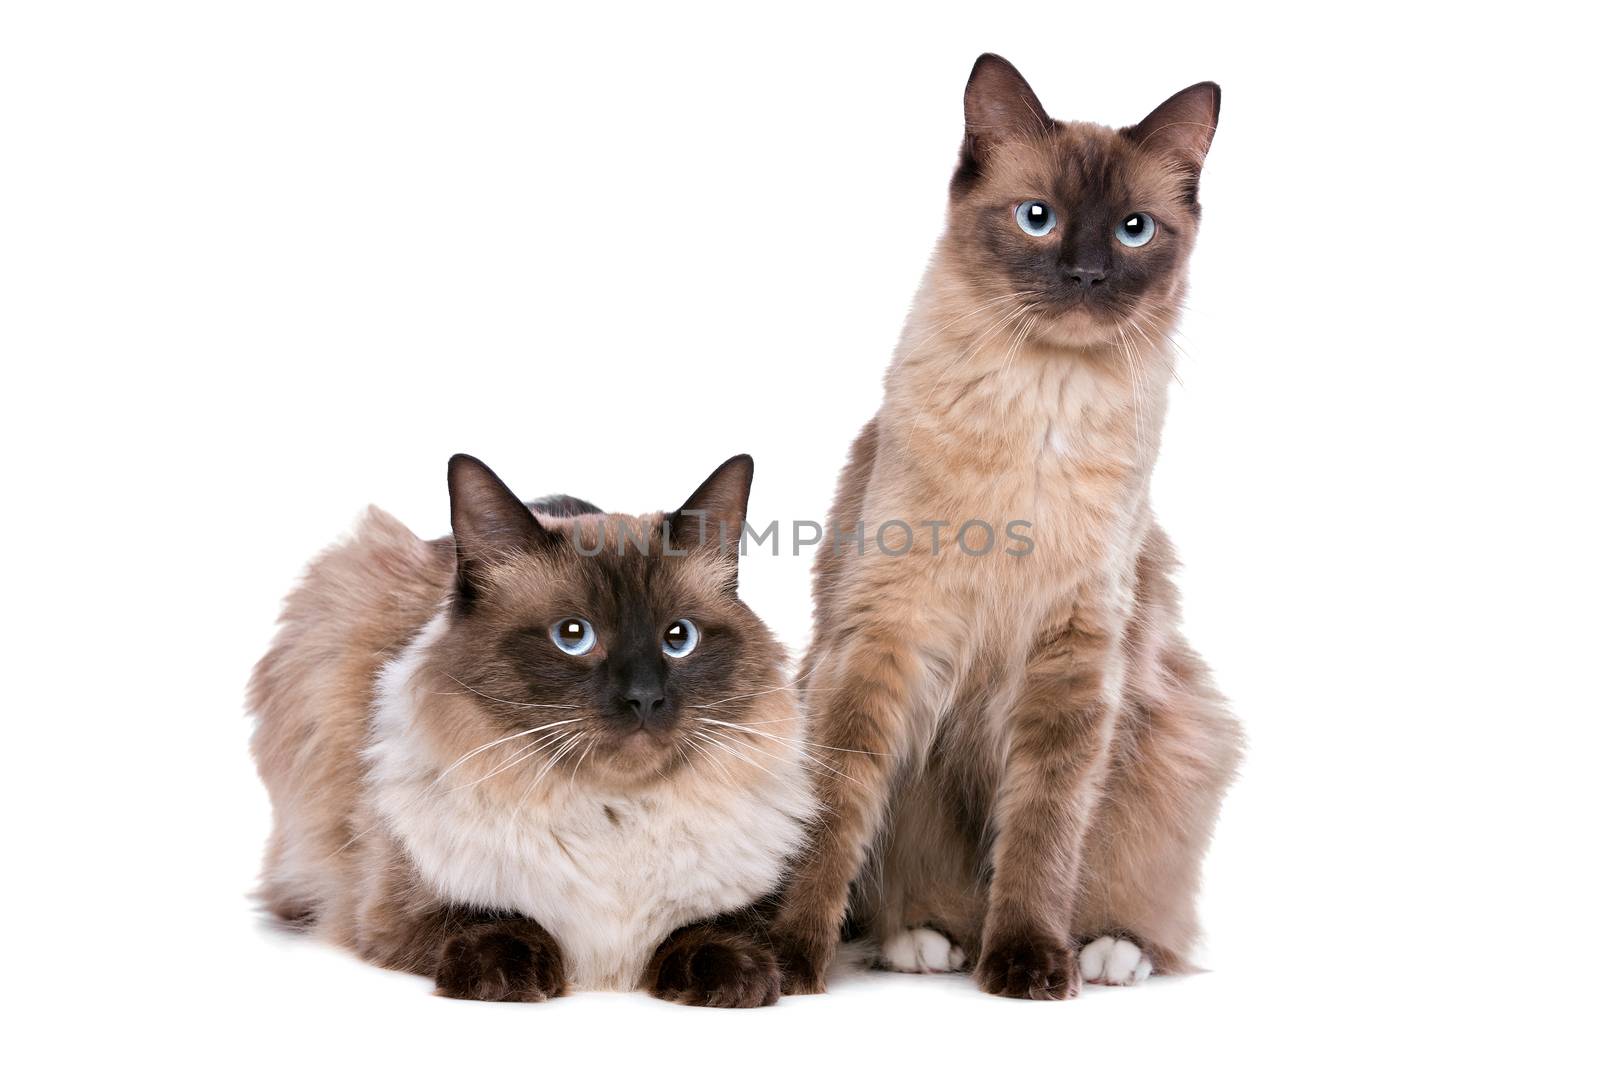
(1181, 129)
(489, 523)
(1000, 106)
(714, 513)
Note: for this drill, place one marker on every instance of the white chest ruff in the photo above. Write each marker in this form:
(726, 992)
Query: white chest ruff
(609, 875)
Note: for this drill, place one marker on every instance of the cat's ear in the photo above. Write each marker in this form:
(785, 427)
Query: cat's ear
(999, 104)
(488, 521)
(714, 513)
(1181, 128)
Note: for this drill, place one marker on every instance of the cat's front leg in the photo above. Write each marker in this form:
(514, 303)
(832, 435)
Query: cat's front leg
(864, 718)
(713, 964)
(501, 959)
(471, 954)
(1058, 748)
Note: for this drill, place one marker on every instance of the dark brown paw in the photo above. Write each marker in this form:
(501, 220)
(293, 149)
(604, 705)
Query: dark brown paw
(711, 968)
(501, 963)
(802, 961)
(1029, 967)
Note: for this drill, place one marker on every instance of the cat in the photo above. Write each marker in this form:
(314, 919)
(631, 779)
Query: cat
(1031, 758)
(553, 750)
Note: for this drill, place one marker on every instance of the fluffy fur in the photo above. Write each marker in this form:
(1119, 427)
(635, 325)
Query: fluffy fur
(456, 797)
(1032, 757)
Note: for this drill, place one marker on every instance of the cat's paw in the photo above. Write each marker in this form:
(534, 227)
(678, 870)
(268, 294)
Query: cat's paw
(712, 968)
(920, 951)
(500, 963)
(1031, 967)
(1114, 961)
(803, 959)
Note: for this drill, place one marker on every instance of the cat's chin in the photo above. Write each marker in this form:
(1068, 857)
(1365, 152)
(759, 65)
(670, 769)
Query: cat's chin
(628, 758)
(1079, 328)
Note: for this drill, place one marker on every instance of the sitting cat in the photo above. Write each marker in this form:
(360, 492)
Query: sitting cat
(554, 750)
(1030, 755)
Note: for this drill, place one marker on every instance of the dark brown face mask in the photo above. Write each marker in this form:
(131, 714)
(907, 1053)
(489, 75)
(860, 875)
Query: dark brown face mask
(1089, 225)
(563, 611)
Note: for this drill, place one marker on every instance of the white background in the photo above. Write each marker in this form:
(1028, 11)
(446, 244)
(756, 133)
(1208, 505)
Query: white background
(260, 266)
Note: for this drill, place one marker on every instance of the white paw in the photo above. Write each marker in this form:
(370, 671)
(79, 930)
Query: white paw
(920, 951)
(1112, 961)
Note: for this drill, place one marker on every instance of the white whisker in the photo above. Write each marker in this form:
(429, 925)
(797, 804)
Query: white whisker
(501, 741)
(789, 740)
(512, 703)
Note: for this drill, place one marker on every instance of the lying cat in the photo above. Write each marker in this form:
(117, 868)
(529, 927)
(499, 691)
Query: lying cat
(554, 750)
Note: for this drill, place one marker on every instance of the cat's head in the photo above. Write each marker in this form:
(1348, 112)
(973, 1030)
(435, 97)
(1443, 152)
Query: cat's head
(1081, 230)
(578, 643)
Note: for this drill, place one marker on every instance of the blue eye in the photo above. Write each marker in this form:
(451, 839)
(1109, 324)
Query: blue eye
(1035, 218)
(1136, 229)
(680, 639)
(573, 636)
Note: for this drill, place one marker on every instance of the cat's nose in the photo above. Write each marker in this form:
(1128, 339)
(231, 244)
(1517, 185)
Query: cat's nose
(646, 700)
(1085, 277)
